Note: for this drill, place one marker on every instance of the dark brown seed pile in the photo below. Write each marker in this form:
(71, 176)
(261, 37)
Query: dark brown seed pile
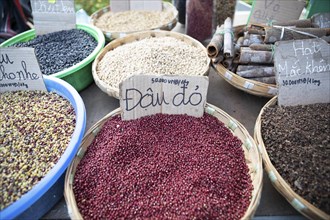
(35, 129)
(163, 167)
(297, 140)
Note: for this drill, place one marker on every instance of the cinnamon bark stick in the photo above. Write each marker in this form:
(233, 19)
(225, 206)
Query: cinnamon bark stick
(227, 62)
(228, 49)
(218, 59)
(304, 23)
(216, 43)
(252, 39)
(276, 34)
(257, 72)
(268, 80)
(254, 56)
(262, 47)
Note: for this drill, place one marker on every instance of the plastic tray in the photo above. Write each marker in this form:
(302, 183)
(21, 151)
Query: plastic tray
(79, 75)
(28, 200)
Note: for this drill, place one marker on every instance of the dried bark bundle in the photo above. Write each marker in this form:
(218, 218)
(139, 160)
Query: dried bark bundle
(268, 80)
(256, 71)
(304, 23)
(262, 47)
(216, 43)
(274, 34)
(252, 39)
(255, 56)
(228, 38)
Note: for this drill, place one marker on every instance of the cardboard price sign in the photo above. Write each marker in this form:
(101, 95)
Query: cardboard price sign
(19, 70)
(302, 72)
(266, 11)
(145, 5)
(53, 15)
(143, 95)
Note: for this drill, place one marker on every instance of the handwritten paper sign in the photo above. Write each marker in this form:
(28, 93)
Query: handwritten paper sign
(146, 5)
(119, 5)
(266, 11)
(52, 16)
(143, 95)
(302, 71)
(137, 5)
(19, 70)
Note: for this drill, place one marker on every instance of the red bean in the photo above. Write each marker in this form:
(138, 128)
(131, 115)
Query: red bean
(163, 167)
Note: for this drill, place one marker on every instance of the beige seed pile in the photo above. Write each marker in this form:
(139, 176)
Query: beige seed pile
(128, 21)
(35, 129)
(158, 55)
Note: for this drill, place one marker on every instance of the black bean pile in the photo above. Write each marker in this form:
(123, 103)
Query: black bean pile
(35, 129)
(60, 50)
(163, 167)
(297, 140)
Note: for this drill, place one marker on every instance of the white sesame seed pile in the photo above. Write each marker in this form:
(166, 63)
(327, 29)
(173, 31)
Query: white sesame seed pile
(157, 55)
(127, 21)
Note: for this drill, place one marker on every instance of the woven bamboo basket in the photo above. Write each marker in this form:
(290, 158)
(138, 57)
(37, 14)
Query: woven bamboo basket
(109, 36)
(113, 91)
(299, 203)
(250, 86)
(252, 156)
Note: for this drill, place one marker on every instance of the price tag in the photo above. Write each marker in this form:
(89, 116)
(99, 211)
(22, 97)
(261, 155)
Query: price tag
(19, 70)
(146, 5)
(143, 95)
(267, 11)
(53, 15)
(302, 71)
(119, 5)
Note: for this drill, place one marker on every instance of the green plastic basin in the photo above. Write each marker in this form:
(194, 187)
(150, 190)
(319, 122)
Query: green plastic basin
(79, 75)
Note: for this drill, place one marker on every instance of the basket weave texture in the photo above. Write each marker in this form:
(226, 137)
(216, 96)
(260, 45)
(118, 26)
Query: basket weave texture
(113, 91)
(299, 203)
(251, 152)
(109, 36)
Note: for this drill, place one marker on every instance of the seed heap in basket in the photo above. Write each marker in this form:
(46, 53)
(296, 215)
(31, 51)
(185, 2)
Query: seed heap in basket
(248, 51)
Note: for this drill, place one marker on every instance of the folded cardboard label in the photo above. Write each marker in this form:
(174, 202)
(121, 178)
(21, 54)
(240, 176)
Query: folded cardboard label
(267, 11)
(143, 95)
(19, 70)
(302, 72)
(52, 16)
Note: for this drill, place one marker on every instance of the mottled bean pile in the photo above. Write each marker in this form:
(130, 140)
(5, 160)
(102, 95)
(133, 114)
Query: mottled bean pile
(163, 167)
(128, 21)
(35, 129)
(156, 55)
(60, 50)
(297, 140)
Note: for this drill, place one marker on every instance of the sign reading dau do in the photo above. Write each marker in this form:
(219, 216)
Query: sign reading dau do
(266, 11)
(53, 15)
(143, 95)
(19, 70)
(302, 71)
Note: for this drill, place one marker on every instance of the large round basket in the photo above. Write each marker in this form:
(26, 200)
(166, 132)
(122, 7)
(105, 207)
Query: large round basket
(114, 91)
(252, 156)
(109, 36)
(299, 203)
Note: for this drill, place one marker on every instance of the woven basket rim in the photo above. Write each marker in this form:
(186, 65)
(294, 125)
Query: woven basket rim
(298, 202)
(115, 34)
(113, 91)
(244, 84)
(252, 157)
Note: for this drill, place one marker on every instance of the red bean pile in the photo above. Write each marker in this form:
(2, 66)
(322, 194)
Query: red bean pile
(163, 167)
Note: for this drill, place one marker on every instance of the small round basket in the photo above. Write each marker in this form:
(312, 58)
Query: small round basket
(299, 203)
(252, 156)
(247, 85)
(114, 91)
(109, 36)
